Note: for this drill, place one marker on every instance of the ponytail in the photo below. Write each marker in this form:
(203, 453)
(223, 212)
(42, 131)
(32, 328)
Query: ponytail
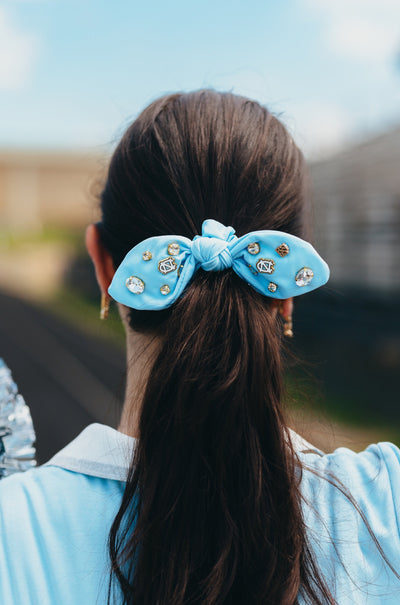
(211, 510)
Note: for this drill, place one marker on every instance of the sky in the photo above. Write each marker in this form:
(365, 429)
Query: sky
(74, 73)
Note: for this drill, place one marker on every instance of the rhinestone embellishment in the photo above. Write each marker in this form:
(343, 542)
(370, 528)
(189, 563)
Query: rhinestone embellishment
(265, 265)
(253, 248)
(173, 249)
(166, 265)
(282, 250)
(135, 284)
(272, 287)
(253, 270)
(304, 276)
(165, 289)
(147, 255)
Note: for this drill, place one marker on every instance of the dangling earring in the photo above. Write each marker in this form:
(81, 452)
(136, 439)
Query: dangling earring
(288, 326)
(105, 306)
(287, 323)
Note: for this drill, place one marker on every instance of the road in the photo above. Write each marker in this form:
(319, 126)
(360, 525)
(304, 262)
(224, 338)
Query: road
(68, 378)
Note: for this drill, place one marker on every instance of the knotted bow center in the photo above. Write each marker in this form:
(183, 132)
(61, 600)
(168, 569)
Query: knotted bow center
(212, 253)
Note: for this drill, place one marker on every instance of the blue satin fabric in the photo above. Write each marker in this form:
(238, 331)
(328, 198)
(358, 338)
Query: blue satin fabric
(217, 249)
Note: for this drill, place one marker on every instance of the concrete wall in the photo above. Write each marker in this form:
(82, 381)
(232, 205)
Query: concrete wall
(52, 188)
(357, 213)
(356, 197)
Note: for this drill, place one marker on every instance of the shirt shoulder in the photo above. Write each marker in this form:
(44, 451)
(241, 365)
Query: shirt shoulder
(52, 482)
(351, 504)
(371, 476)
(54, 525)
(46, 494)
(55, 521)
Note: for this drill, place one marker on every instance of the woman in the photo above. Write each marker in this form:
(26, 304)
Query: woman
(202, 495)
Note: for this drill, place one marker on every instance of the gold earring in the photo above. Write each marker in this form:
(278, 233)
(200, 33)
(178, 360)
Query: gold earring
(288, 326)
(287, 322)
(105, 306)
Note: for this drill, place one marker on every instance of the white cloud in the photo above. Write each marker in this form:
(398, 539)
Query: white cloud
(361, 30)
(361, 40)
(319, 129)
(18, 52)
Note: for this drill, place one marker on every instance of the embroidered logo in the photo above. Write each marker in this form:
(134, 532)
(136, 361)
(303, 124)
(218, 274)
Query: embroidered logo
(166, 265)
(265, 265)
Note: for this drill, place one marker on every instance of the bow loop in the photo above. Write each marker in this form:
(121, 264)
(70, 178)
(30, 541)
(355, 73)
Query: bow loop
(211, 228)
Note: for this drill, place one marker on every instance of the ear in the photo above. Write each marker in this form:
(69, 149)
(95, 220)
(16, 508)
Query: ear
(285, 307)
(102, 260)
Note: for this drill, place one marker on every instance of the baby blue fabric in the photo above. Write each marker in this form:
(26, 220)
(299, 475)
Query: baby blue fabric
(54, 522)
(216, 249)
(344, 549)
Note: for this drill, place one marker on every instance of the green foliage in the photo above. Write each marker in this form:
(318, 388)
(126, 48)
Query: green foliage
(84, 313)
(306, 395)
(13, 240)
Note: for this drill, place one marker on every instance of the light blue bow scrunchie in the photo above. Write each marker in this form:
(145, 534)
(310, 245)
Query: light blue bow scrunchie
(155, 272)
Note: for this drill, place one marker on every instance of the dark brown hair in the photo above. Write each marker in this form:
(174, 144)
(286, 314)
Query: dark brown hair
(211, 513)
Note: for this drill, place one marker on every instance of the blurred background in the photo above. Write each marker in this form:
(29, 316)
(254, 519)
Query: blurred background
(74, 74)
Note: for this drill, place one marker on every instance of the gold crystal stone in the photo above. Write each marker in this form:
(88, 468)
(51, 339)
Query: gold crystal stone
(173, 248)
(165, 289)
(147, 255)
(282, 250)
(253, 248)
(272, 287)
(135, 284)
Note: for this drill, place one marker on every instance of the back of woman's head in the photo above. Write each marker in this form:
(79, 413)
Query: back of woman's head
(189, 157)
(211, 511)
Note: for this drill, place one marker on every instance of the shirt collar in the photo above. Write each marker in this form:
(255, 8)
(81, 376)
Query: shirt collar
(101, 451)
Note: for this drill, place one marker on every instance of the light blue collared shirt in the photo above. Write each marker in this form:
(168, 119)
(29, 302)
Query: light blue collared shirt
(55, 520)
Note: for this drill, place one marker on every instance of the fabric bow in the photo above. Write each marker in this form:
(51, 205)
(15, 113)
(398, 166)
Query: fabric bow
(156, 271)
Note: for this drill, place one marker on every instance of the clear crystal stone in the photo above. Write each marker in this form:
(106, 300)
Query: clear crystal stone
(147, 255)
(135, 284)
(272, 287)
(165, 289)
(304, 276)
(253, 248)
(173, 249)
